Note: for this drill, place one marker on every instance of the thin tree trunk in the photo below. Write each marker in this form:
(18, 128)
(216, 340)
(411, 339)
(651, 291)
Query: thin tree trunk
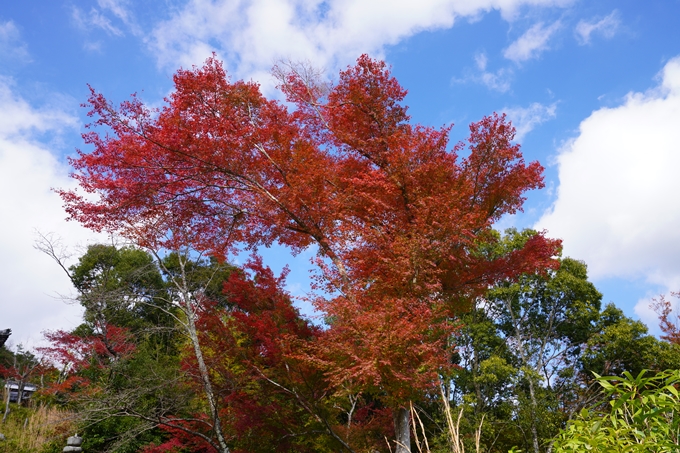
(20, 393)
(402, 430)
(525, 361)
(186, 304)
(205, 376)
(534, 406)
(8, 391)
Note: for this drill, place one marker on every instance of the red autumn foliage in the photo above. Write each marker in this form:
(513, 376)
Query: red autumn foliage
(265, 396)
(23, 369)
(179, 441)
(75, 354)
(70, 350)
(174, 445)
(398, 219)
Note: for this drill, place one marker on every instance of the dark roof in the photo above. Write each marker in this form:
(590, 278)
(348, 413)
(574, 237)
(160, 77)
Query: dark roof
(4, 335)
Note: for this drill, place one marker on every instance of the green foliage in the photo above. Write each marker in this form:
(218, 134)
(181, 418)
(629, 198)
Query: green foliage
(641, 414)
(519, 351)
(528, 350)
(620, 344)
(120, 286)
(123, 434)
(204, 275)
(118, 396)
(6, 357)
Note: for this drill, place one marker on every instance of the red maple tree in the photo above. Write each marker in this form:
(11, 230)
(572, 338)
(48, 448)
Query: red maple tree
(399, 220)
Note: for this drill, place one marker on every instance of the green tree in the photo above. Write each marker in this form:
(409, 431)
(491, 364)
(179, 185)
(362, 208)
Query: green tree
(120, 369)
(132, 371)
(528, 350)
(521, 340)
(120, 286)
(621, 344)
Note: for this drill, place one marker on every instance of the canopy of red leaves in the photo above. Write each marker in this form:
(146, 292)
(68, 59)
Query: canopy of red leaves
(399, 220)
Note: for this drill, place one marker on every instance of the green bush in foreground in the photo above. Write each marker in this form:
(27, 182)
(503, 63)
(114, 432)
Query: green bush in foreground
(640, 414)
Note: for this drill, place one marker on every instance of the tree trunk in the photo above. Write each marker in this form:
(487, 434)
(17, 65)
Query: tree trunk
(20, 393)
(525, 361)
(534, 406)
(8, 390)
(186, 304)
(402, 430)
(205, 376)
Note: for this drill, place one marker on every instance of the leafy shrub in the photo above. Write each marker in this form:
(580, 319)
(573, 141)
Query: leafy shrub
(639, 414)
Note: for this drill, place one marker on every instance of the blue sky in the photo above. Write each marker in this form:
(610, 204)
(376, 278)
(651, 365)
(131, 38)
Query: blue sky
(592, 87)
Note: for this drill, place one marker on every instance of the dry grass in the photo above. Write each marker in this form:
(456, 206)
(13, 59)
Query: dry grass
(453, 428)
(34, 430)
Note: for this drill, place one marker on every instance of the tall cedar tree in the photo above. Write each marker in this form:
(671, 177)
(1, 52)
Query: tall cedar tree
(398, 220)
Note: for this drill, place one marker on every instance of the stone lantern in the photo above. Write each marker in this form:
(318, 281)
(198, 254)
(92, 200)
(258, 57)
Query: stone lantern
(73, 444)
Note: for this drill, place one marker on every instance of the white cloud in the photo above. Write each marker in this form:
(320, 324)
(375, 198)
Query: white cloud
(28, 171)
(643, 308)
(11, 45)
(481, 61)
(496, 81)
(607, 27)
(19, 118)
(104, 17)
(646, 313)
(617, 204)
(532, 43)
(525, 119)
(93, 46)
(94, 19)
(253, 34)
(119, 8)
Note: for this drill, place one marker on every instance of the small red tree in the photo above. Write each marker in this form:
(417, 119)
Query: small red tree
(21, 369)
(669, 320)
(76, 355)
(267, 399)
(399, 221)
